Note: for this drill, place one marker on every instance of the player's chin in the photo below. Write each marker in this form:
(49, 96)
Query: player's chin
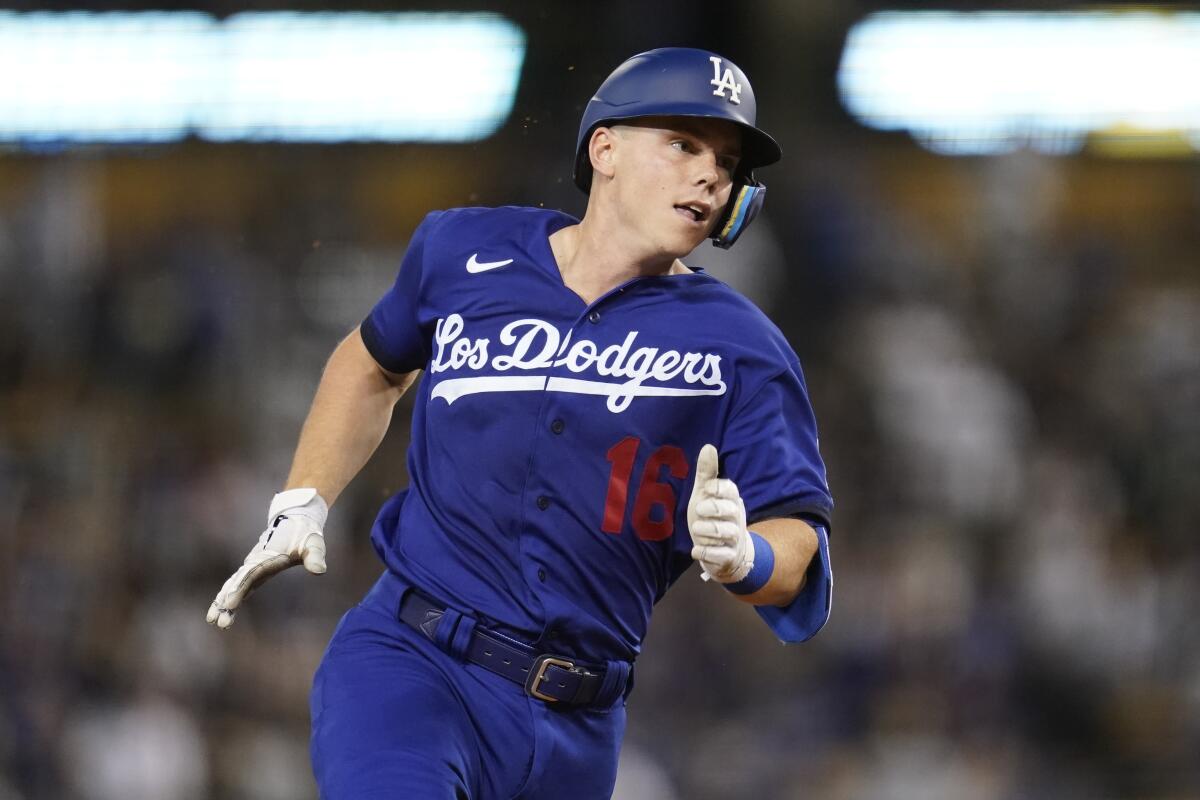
(683, 239)
(679, 247)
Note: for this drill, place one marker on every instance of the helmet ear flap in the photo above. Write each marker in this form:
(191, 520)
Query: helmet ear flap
(745, 201)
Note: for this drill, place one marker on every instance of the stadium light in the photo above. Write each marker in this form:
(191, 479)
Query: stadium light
(990, 82)
(277, 76)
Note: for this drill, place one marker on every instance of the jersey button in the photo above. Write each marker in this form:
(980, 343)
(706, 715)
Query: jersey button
(542, 575)
(543, 502)
(557, 426)
(594, 316)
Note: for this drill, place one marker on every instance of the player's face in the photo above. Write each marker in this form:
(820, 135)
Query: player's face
(673, 177)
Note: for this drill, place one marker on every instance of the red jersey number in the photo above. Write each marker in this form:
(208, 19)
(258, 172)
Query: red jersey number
(653, 491)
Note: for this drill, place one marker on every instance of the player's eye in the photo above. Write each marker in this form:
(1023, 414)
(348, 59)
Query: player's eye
(681, 145)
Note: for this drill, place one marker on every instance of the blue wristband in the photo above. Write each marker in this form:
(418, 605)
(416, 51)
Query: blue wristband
(760, 573)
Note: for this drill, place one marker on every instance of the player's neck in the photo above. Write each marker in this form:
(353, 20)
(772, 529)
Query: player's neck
(592, 263)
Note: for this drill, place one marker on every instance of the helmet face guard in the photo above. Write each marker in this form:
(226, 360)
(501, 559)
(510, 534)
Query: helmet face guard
(745, 201)
(684, 82)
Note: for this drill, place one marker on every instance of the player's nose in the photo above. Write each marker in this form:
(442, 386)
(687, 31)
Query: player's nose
(705, 170)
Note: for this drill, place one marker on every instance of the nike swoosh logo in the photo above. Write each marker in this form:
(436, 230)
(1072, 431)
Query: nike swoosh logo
(474, 266)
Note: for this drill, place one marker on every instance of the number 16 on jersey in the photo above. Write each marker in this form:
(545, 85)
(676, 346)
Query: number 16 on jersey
(654, 493)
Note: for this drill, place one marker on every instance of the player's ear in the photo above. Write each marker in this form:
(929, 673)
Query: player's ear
(602, 151)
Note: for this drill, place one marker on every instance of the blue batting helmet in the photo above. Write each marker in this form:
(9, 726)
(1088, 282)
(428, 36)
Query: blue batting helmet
(685, 82)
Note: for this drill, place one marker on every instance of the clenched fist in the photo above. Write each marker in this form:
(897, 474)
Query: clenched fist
(717, 521)
(293, 536)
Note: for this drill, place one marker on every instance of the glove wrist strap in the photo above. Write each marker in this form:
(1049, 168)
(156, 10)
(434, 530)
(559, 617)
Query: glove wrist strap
(301, 502)
(760, 572)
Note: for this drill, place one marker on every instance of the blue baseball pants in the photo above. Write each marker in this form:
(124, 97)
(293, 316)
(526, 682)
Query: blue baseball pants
(393, 716)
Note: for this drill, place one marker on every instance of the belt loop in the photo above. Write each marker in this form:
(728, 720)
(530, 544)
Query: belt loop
(464, 633)
(616, 673)
(454, 633)
(446, 625)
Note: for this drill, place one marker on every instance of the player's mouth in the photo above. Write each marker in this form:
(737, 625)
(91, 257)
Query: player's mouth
(696, 213)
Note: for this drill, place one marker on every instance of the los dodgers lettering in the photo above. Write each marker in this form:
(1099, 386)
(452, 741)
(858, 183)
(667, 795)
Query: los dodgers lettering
(534, 344)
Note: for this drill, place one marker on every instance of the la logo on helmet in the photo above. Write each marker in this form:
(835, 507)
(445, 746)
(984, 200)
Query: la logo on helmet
(724, 81)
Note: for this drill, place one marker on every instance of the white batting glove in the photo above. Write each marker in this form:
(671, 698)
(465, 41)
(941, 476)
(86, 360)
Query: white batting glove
(717, 521)
(293, 536)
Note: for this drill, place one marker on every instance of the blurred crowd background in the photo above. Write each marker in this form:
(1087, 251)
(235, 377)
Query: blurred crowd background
(1003, 353)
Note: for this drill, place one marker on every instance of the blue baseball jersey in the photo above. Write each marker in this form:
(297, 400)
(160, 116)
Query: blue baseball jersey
(553, 441)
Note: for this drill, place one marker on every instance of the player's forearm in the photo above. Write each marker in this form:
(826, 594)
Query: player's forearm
(795, 545)
(349, 416)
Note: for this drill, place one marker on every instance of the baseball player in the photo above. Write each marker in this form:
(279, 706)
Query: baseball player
(593, 417)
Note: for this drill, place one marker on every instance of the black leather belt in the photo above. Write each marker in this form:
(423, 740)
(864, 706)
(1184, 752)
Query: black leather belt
(554, 679)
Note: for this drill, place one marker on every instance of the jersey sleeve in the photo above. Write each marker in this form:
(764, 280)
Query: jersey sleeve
(392, 332)
(770, 451)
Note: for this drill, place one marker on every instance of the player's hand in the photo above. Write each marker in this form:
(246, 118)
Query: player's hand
(293, 536)
(717, 521)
